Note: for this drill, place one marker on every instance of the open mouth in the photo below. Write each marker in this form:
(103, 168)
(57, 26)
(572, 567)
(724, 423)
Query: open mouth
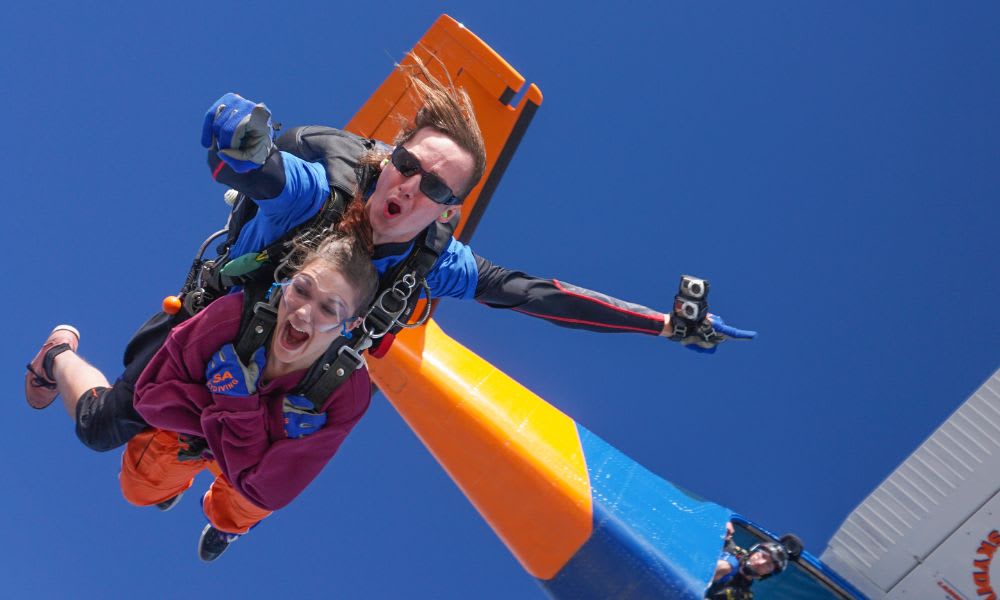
(392, 209)
(292, 338)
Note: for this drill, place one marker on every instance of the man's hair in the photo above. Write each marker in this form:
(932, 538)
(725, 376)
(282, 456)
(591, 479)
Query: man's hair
(448, 110)
(347, 249)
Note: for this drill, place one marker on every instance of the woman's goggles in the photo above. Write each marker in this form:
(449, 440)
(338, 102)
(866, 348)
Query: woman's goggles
(324, 316)
(430, 184)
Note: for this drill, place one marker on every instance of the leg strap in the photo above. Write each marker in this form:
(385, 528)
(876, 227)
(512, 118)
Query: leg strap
(45, 379)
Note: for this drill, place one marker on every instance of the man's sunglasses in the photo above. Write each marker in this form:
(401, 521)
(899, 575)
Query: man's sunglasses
(430, 184)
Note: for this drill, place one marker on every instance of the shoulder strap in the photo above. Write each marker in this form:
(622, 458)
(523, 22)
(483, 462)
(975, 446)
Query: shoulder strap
(336, 365)
(260, 314)
(340, 152)
(427, 249)
(243, 210)
(395, 301)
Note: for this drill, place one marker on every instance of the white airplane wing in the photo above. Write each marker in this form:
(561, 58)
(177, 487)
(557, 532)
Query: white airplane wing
(931, 528)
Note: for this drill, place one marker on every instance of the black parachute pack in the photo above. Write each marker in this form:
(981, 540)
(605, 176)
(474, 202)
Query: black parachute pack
(399, 288)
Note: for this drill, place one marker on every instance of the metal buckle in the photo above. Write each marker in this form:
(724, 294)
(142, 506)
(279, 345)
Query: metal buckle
(400, 291)
(359, 360)
(709, 334)
(427, 309)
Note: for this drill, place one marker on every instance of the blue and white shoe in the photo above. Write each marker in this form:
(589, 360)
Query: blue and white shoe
(213, 543)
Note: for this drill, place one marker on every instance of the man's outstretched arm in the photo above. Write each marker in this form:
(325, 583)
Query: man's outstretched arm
(567, 305)
(564, 304)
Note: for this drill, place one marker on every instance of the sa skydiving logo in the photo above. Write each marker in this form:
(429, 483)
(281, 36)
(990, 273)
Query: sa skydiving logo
(984, 556)
(222, 382)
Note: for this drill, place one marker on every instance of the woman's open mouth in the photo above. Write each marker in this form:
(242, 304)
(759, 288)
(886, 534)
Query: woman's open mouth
(292, 338)
(392, 209)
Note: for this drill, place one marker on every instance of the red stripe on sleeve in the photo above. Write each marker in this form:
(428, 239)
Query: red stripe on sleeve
(658, 319)
(582, 322)
(215, 173)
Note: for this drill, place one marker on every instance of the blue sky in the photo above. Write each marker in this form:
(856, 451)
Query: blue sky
(830, 167)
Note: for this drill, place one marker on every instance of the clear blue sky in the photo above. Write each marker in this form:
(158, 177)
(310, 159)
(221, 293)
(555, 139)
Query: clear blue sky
(831, 167)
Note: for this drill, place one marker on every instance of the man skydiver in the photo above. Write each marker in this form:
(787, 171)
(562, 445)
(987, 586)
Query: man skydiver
(435, 163)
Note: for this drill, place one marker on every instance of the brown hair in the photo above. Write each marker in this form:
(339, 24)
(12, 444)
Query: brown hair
(348, 249)
(448, 110)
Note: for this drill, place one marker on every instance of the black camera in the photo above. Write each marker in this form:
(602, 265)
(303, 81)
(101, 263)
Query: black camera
(694, 288)
(689, 310)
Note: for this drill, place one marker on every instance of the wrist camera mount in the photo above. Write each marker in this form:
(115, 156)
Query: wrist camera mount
(689, 312)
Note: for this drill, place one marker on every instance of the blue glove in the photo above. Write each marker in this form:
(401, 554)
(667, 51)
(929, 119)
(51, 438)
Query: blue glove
(723, 333)
(300, 419)
(228, 376)
(241, 131)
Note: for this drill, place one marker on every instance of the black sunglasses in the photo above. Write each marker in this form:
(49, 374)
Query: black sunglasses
(430, 184)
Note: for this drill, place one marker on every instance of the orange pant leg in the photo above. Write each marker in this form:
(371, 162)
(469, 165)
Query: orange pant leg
(151, 472)
(227, 510)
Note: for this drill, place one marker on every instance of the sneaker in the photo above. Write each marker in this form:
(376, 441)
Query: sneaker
(170, 502)
(213, 543)
(39, 384)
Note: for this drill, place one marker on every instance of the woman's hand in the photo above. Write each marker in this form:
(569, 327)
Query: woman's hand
(226, 374)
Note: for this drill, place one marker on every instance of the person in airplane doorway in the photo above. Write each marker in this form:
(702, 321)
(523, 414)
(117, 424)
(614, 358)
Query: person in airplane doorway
(737, 569)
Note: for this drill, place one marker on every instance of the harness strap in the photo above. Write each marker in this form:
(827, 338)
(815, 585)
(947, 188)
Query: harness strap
(243, 210)
(255, 331)
(336, 365)
(427, 248)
